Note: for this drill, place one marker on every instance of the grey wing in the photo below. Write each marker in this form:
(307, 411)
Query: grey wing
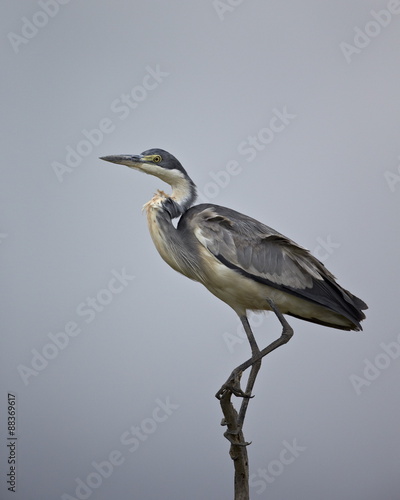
(266, 256)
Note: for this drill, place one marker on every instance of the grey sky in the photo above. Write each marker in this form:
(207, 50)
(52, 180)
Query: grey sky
(286, 111)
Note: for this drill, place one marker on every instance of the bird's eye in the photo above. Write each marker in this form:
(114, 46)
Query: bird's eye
(156, 158)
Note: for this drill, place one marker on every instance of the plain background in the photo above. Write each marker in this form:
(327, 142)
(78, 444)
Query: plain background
(328, 176)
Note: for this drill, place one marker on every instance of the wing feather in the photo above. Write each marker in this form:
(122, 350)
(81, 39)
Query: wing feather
(266, 256)
(256, 249)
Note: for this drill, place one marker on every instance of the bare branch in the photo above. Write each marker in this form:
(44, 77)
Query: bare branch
(238, 451)
(235, 421)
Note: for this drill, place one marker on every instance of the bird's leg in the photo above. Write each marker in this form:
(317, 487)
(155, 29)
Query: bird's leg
(255, 367)
(253, 344)
(233, 383)
(235, 430)
(287, 333)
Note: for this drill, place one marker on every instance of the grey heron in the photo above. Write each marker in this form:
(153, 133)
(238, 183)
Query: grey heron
(246, 264)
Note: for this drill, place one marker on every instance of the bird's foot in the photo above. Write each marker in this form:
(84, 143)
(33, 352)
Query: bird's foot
(233, 437)
(233, 385)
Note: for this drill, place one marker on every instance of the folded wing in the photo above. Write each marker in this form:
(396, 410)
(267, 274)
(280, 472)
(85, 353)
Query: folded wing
(266, 256)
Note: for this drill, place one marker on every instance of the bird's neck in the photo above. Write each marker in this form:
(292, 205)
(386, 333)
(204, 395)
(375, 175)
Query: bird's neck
(182, 197)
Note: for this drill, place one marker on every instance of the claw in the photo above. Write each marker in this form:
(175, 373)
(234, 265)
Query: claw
(233, 385)
(228, 435)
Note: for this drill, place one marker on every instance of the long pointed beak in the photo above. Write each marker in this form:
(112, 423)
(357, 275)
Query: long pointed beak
(131, 161)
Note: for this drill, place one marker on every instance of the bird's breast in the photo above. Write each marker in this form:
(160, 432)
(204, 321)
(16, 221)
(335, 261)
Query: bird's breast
(168, 241)
(158, 235)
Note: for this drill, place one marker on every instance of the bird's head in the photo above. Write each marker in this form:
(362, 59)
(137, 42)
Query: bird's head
(154, 162)
(166, 167)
